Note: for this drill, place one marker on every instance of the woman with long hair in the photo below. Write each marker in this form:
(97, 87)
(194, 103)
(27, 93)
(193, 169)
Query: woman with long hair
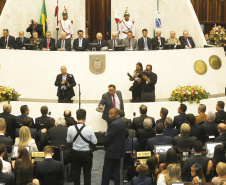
(197, 174)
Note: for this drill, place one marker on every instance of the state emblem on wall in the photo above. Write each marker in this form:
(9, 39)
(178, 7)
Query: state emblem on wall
(97, 64)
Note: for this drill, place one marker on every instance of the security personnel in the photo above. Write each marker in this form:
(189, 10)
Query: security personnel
(38, 45)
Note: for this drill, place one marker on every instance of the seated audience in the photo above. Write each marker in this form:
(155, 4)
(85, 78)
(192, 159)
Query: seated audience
(39, 122)
(202, 117)
(142, 179)
(114, 41)
(102, 43)
(6, 165)
(181, 118)
(25, 139)
(3, 139)
(158, 41)
(169, 130)
(24, 109)
(138, 121)
(184, 140)
(196, 158)
(145, 43)
(197, 174)
(144, 134)
(129, 42)
(195, 129)
(21, 40)
(49, 123)
(222, 132)
(38, 44)
(163, 115)
(63, 44)
(131, 143)
(7, 41)
(10, 121)
(221, 171)
(5, 177)
(49, 43)
(50, 166)
(70, 121)
(80, 42)
(159, 139)
(220, 114)
(173, 39)
(67, 114)
(186, 41)
(153, 163)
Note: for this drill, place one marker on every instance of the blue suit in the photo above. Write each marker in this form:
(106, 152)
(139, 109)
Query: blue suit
(169, 131)
(141, 180)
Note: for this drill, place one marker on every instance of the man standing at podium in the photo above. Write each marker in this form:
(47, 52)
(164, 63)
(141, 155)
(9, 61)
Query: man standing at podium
(65, 83)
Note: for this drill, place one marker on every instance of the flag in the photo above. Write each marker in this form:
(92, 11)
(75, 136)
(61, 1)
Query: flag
(56, 10)
(116, 15)
(43, 18)
(157, 21)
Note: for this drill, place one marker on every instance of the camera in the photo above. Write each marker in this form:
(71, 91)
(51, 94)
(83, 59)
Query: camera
(32, 23)
(142, 74)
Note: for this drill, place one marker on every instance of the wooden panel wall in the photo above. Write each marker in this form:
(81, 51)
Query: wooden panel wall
(2, 3)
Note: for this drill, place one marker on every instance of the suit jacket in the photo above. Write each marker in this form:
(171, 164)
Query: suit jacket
(52, 44)
(107, 101)
(162, 120)
(20, 119)
(19, 44)
(67, 44)
(115, 139)
(201, 117)
(179, 120)
(220, 116)
(85, 43)
(34, 133)
(196, 131)
(6, 178)
(155, 43)
(184, 42)
(173, 41)
(158, 140)
(133, 43)
(169, 131)
(38, 28)
(39, 122)
(143, 135)
(184, 141)
(103, 44)
(141, 180)
(110, 44)
(70, 79)
(186, 170)
(11, 42)
(5, 140)
(141, 43)
(209, 129)
(50, 166)
(10, 124)
(138, 121)
(128, 144)
(221, 137)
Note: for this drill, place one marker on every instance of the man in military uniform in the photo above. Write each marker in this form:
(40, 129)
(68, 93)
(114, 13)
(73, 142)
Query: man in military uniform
(65, 25)
(126, 25)
(38, 45)
(35, 27)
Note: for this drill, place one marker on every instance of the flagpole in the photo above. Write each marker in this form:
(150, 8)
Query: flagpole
(57, 20)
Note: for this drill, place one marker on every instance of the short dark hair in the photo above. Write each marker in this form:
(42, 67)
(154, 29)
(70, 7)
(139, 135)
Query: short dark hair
(49, 123)
(149, 66)
(121, 113)
(144, 30)
(70, 121)
(6, 30)
(164, 111)
(23, 109)
(159, 128)
(183, 107)
(220, 104)
(129, 32)
(143, 109)
(44, 110)
(80, 31)
(27, 122)
(198, 146)
(191, 119)
(2, 148)
(111, 85)
(81, 114)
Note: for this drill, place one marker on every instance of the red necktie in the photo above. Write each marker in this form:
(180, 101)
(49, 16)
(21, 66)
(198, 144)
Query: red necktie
(47, 47)
(114, 104)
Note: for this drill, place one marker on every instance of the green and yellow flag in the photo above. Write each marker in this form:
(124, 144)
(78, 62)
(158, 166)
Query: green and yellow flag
(43, 18)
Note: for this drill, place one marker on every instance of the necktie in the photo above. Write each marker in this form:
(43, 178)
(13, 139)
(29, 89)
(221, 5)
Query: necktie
(5, 42)
(21, 39)
(146, 45)
(187, 42)
(114, 103)
(63, 44)
(114, 43)
(80, 42)
(129, 44)
(47, 47)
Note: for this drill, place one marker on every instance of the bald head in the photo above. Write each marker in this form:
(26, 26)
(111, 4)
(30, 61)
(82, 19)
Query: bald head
(63, 70)
(99, 36)
(114, 36)
(222, 128)
(158, 33)
(67, 113)
(7, 108)
(21, 34)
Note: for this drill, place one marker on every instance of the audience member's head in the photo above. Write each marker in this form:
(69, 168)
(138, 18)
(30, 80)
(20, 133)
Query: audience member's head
(111, 89)
(191, 119)
(63, 36)
(121, 113)
(147, 123)
(81, 114)
(198, 146)
(24, 156)
(99, 36)
(185, 34)
(182, 108)
(80, 34)
(143, 109)
(172, 34)
(2, 149)
(168, 122)
(2, 125)
(152, 163)
(221, 169)
(158, 33)
(159, 128)
(173, 173)
(48, 34)
(142, 169)
(44, 110)
(24, 109)
(207, 37)
(220, 105)
(185, 129)
(7, 108)
(211, 116)
(21, 34)
(197, 170)
(61, 121)
(70, 121)
(49, 123)
(163, 112)
(171, 157)
(129, 34)
(67, 113)
(221, 128)
(48, 151)
(114, 35)
(113, 113)
(219, 153)
(27, 122)
(24, 175)
(149, 69)
(24, 136)
(201, 108)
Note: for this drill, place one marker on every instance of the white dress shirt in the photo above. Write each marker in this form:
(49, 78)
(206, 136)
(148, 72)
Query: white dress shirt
(6, 167)
(117, 101)
(80, 42)
(63, 44)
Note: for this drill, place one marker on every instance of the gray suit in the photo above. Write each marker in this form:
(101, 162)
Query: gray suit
(111, 45)
(133, 43)
(107, 101)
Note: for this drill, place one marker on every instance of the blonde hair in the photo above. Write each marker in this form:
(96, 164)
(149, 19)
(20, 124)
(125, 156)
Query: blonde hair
(185, 129)
(221, 169)
(24, 136)
(173, 173)
(142, 169)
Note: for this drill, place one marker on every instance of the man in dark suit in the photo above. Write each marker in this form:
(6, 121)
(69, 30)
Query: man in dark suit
(169, 130)
(222, 132)
(39, 122)
(181, 118)
(63, 44)
(48, 42)
(144, 134)
(111, 99)
(184, 140)
(21, 40)
(5, 177)
(195, 129)
(80, 42)
(163, 115)
(10, 121)
(24, 109)
(7, 41)
(138, 121)
(102, 43)
(159, 139)
(158, 41)
(50, 166)
(65, 83)
(196, 158)
(220, 114)
(114, 147)
(3, 139)
(186, 41)
(114, 41)
(35, 27)
(144, 43)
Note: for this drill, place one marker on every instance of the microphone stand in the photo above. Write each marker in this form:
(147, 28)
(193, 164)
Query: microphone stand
(79, 96)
